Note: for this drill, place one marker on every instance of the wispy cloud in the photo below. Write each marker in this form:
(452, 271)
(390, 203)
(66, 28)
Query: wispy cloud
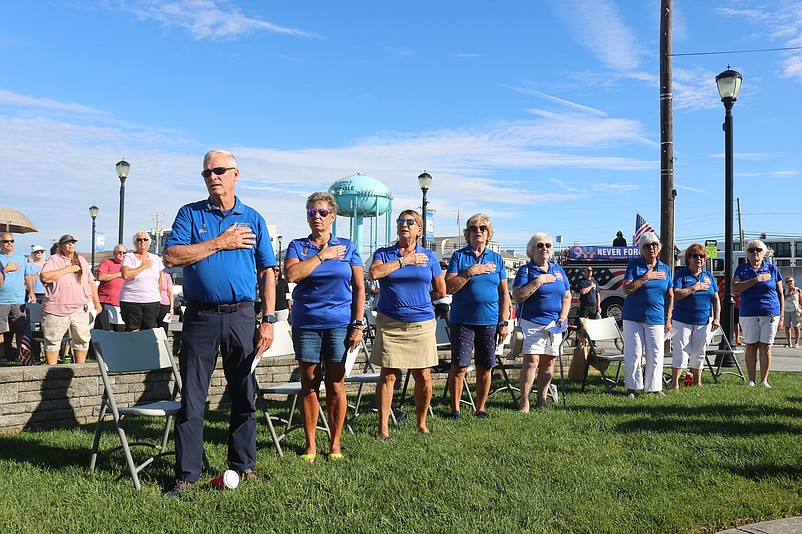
(8, 98)
(598, 26)
(207, 19)
(561, 101)
(769, 173)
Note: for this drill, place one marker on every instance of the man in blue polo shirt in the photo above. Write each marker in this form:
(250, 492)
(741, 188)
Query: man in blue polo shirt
(224, 248)
(12, 292)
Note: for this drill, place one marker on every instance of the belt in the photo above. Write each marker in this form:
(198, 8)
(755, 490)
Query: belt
(221, 308)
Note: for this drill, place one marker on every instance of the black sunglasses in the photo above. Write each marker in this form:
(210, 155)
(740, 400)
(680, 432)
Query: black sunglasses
(477, 229)
(408, 222)
(754, 250)
(698, 256)
(143, 239)
(543, 245)
(217, 170)
(8, 240)
(323, 212)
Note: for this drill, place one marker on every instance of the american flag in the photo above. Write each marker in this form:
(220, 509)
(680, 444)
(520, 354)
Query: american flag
(641, 228)
(609, 278)
(25, 352)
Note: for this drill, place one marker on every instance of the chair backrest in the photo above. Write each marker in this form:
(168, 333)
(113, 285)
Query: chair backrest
(34, 313)
(113, 314)
(282, 340)
(353, 355)
(129, 352)
(718, 334)
(601, 329)
(442, 334)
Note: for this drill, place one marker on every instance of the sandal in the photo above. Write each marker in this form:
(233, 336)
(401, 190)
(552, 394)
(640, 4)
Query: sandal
(336, 456)
(308, 458)
(388, 439)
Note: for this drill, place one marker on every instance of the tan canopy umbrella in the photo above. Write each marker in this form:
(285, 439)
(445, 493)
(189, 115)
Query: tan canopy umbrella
(15, 222)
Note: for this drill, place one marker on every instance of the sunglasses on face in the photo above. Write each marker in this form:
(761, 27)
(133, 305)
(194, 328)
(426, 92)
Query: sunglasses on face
(698, 256)
(8, 240)
(541, 246)
(119, 252)
(408, 222)
(477, 229)
(754, 250)
(323, 212)
(217, 170)
(140, 239)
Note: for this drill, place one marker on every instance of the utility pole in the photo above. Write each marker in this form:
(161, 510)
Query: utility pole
(667, 191)
(740, 225)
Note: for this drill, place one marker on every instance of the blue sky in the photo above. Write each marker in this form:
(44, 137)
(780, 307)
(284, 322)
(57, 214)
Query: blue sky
(542, 114)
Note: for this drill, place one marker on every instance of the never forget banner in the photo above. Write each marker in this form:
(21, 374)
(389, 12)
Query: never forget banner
(602, 253)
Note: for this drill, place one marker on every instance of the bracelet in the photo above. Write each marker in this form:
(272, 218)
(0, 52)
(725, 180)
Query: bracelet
(400, 263)
(319, 257)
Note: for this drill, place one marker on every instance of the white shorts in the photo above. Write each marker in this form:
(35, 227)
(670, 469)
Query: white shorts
(538, 340)
(761, 329)
(688, 344)
(791, 318)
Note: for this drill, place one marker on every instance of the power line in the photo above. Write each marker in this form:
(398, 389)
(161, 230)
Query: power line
(739, 51)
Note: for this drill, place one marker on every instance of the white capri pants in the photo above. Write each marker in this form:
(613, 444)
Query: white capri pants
(689, 344)
(647, 340)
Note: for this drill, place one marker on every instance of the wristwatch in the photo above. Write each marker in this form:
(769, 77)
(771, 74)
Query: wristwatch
(503, 323)
(358, 323)
(269, 319)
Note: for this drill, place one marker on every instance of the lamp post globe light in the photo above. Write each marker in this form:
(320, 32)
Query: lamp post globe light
(424, 181)
(729, 85)
(122, 172)
(93, 211)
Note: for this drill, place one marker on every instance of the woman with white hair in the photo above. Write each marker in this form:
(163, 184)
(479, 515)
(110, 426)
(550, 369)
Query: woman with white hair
(760, 286)
(647, 317)
(543, 294)
(140, 295)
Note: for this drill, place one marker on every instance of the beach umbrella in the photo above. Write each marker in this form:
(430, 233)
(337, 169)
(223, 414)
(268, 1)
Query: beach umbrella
(15, 222)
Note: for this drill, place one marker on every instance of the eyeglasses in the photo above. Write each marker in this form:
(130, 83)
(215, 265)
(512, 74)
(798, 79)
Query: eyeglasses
(8, 240)
(217, 170)
(139, 239)
(477, 229)
(698, 256)
(653, 245)
(408, 222)
(543, 245)
(323, 212)
(754, 250)
(119, 252)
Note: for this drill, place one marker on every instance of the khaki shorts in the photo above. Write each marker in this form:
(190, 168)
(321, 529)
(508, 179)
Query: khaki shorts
(55, 326)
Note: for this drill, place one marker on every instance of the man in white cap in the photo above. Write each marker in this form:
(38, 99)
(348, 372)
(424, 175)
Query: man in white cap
(12, 292)
(36, 291)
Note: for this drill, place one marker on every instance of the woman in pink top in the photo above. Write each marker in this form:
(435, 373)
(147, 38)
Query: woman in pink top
(140, 296)
(166, 303)
(70, 295)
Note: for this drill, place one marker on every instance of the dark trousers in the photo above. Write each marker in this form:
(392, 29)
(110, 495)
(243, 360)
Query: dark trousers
(203, 332)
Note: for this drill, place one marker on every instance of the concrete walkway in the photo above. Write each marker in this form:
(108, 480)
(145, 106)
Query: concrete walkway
(790, 525)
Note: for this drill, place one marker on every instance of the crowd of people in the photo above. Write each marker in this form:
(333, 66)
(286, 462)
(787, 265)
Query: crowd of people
(229, 264)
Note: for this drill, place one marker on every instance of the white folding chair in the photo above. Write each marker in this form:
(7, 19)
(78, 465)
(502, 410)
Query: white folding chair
(113, 314)
(37, 334)
(135, 352)
(282, 345)
(720, 349)
(512, 345)
(597, 331)
(369, 375)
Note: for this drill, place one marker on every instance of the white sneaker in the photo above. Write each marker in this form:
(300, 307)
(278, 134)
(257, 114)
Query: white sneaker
(765, 384)
(751, 384)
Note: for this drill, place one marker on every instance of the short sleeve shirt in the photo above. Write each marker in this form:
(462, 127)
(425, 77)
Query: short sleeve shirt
(476, 302)
(405, 292)
(109, 292)
(13, 289)
(545, 304)
(144, 287)
(324, 298)
(31, 269)
(67, 294)
(227, 276)
(647, 304)
(760, 300)
(591, 298)
(695, 308)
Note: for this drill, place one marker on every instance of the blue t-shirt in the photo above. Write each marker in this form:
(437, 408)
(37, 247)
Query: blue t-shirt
(30, 269)
(591, 298)
(476, 302)
(405, 292)
(760, 300)
(545, 304)
(323, 299)
(227, 276)
(647, 304)
(13, 288)
(695, 308)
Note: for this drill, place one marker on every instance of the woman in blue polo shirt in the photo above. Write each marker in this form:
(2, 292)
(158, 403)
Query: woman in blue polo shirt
(647, 317)
(543, 295)
(694, 291)
(479, 311)
(410, 277)
(761, 310)
(327, 316)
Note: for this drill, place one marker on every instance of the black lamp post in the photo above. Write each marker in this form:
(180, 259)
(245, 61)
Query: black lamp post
(279, 250)
(729, 84)
(93, 211)
(122, 171)
(425, 181)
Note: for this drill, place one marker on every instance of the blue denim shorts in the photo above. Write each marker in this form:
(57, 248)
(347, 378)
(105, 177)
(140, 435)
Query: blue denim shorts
(318, 346)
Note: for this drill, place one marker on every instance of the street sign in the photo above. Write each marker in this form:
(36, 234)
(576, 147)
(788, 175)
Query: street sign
(711, 248)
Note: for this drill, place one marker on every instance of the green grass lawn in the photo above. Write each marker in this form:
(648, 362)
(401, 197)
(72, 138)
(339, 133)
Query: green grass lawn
(697, 460)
